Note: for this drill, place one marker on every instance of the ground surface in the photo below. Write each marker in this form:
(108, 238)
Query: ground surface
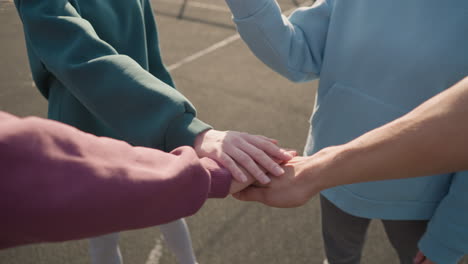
(232, 90)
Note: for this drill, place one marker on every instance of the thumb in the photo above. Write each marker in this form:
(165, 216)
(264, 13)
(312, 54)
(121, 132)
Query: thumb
(250, 194)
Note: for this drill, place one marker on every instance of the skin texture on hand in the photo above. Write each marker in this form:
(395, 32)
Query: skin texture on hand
(236, 150)
(237, 186)
(421, 259)
(292, 189)
(304, 177)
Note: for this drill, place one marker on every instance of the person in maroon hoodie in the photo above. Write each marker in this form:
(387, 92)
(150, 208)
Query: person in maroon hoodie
(52, 174)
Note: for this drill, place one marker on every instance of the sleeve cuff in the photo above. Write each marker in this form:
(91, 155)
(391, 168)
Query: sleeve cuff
(245, 8)
(220, 180)
(438, 252)
(183, 131)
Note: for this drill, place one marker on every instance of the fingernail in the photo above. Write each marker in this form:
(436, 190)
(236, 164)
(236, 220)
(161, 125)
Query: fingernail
(266, 180)
(278, 171)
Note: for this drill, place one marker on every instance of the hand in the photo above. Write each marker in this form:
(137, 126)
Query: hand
(304, 178)
(289, 190)
(237, 186)
(421, 259)
(249, 151)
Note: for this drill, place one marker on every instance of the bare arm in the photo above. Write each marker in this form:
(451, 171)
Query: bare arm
(432, 139)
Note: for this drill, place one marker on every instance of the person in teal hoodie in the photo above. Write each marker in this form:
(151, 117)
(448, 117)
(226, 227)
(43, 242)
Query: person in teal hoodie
(376, 60)
(98, 63)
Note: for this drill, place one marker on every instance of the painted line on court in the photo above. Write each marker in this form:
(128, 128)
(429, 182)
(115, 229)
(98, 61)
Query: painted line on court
(219, 44)
(156, 253)
(199, 5)
(204, 52)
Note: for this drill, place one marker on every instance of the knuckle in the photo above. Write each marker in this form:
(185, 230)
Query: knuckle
(237, 141)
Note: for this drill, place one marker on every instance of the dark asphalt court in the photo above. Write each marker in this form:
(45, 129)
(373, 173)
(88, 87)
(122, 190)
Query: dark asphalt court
(232, 90)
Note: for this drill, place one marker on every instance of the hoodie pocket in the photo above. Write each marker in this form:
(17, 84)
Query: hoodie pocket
(344, 114)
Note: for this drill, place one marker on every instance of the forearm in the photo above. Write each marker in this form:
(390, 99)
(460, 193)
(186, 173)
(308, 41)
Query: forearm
(429, 140)
(61, 177)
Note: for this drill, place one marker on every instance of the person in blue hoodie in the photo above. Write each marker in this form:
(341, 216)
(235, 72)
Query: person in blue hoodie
(376, 60)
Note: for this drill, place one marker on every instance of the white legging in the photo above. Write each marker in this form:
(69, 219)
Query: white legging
(105, 249)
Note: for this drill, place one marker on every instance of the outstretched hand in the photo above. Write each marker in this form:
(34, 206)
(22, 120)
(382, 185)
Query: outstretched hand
(236, 150)
(289, 190)
(304, 178)
(237, 186)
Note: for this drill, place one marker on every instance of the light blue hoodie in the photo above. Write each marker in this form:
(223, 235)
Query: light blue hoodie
(376, 60)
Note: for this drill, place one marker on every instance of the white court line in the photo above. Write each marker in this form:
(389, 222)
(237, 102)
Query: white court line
(156, 253)
(203, 52)
(219, 44)
(199, 5)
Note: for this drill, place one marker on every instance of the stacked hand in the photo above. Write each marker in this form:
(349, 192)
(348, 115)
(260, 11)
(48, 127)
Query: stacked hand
(301, 181)
(243, 154)
(253, 159)
(288, 190)
(237, 186)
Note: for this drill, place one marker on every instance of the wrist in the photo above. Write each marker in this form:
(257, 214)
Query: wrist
(330, 167)
(199, 139)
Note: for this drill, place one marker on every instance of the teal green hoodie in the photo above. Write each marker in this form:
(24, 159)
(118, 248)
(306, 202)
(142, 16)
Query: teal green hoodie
(98, 63)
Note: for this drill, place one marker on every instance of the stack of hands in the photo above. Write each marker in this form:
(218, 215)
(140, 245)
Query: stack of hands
(260, 168)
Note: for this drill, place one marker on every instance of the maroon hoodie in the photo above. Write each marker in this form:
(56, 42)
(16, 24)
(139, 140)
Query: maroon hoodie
(58, 183)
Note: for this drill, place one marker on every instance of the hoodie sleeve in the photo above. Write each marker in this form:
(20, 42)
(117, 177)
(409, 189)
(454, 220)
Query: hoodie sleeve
(292, 46)
(53, 176)
(95, 73)
(446, 238)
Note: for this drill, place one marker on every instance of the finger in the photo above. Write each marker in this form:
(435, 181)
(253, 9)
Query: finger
(231, 165)
(263, 159)
(292, 152)
(274, 141)
(296, 160)
(419, 258)
(250, 194)
(277, 161)
(248, 163)
(269, 148)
